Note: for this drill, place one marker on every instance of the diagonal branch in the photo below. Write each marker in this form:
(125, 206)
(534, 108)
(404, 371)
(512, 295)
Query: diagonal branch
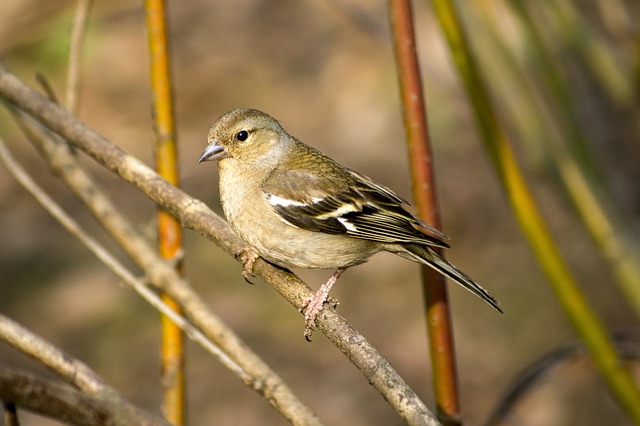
(193, 214)
(89, 398)
(72, 371)
(21, 338)
(234, 355)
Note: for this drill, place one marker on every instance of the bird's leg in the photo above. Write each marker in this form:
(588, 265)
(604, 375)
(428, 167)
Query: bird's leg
(312, 306)
(247, 257)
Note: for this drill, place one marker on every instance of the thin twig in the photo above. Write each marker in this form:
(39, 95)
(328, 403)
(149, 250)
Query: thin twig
(75, 53)
(110, 261)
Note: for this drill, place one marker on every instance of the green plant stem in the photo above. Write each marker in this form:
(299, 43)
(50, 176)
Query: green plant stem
(573, 301)
(594, 208)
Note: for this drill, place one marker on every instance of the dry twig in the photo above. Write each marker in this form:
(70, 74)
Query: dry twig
(194, 215)
(69, 405)
(248, 366)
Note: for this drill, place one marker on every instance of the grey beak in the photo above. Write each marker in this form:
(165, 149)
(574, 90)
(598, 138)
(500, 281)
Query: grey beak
(213, 152)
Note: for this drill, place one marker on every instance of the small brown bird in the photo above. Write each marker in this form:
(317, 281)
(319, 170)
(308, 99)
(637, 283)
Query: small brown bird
(295, 207)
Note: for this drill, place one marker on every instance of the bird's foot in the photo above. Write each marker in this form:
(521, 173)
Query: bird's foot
(247, 257)
(312, 306)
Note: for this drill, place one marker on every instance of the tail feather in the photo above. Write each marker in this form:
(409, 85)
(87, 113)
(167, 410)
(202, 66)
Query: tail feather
(428, 256)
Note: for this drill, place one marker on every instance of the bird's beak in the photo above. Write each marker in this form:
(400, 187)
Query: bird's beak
(214, 151)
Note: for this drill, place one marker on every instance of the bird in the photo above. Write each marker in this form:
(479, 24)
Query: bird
(297, 208)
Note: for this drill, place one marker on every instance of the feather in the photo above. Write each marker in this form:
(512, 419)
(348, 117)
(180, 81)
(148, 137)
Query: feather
(429, 257)
(352, 204)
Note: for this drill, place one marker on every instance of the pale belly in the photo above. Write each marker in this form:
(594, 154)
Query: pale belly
(309, 249)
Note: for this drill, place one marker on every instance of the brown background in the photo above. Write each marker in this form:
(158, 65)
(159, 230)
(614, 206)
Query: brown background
(326, 71)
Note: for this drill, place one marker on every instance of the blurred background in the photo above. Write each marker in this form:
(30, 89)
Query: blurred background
(326, 71)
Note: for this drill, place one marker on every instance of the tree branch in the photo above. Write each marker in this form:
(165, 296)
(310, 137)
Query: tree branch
(67, 404)
(235, 355)
(194, 215)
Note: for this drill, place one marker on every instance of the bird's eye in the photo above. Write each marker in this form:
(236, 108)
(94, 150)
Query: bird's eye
(242, 135)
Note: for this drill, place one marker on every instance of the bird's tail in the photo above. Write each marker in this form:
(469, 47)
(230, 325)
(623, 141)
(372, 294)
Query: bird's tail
(428, 256)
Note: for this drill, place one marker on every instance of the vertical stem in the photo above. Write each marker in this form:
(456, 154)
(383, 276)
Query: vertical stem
(169, 231)
(78, 29)
(424, 195)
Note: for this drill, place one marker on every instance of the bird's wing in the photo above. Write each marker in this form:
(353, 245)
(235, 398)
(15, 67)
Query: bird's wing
(392, 201)
(346, 203)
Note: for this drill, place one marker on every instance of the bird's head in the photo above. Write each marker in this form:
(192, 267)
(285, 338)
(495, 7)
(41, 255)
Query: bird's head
(247, 135)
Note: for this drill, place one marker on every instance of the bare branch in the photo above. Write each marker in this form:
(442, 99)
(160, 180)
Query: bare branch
(232, 352)
(194, 215)
(69, 405)
(93, 398)
(112, 263)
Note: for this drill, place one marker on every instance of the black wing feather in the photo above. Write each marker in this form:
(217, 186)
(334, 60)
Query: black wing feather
(310, 222)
